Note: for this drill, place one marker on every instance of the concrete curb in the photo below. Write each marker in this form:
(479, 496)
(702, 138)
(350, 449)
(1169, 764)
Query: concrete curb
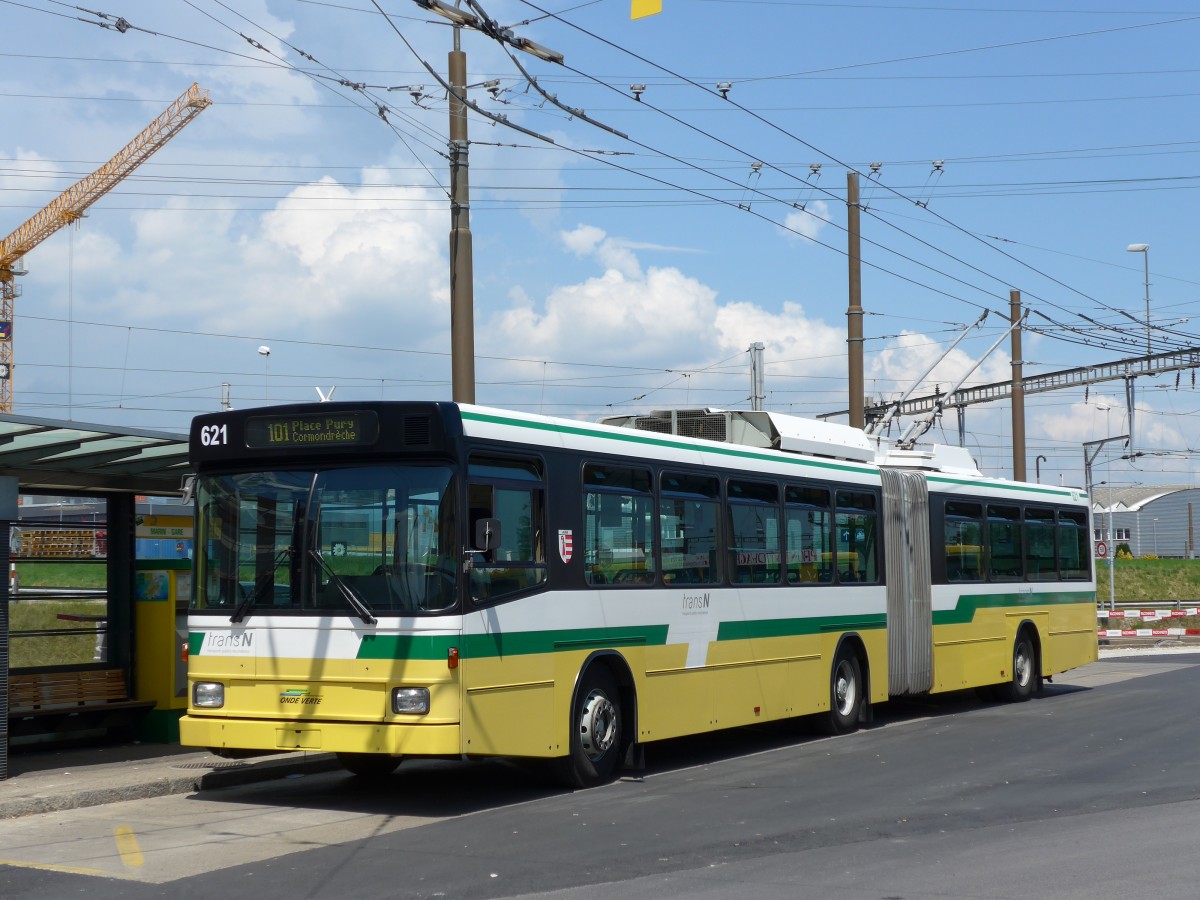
(158, 778)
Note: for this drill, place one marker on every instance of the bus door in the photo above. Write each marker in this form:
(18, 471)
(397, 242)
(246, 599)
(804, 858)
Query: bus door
(508, 670)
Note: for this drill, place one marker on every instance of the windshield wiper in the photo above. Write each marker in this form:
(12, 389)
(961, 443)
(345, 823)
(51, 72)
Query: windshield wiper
(260, 588)
(360, 608)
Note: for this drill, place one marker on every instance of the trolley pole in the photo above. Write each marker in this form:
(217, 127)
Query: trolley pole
(462, 275)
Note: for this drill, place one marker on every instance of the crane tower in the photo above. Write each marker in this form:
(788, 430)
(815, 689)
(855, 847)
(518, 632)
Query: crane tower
(69, 206)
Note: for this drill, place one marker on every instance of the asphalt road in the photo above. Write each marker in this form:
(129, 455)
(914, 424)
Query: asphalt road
(1091, 791)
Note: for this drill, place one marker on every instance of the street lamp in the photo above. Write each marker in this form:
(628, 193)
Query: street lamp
(1144, 249)
(1037, 463)
(265, 352)
(1155, 521)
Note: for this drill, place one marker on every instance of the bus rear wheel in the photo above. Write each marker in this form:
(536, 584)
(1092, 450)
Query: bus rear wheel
(1023, 683)
(845, 694)
(596, 737)
(369, 765)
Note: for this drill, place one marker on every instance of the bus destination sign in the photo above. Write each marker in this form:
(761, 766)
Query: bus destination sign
(354, 428)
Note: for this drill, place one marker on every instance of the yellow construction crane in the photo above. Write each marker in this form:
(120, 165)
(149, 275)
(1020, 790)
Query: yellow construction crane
(69, 207)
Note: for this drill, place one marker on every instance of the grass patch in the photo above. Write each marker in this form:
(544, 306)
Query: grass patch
(72, 643)
(1151, 581)
(62, 574)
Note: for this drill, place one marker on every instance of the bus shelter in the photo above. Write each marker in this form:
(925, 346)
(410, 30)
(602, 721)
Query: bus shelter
(78, 670)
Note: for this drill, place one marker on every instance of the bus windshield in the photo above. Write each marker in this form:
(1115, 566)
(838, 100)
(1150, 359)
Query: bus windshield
(370, 540)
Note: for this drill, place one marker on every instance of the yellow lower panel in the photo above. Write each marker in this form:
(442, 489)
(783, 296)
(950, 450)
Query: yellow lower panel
(513, 720)
(508, 707)
(675, 703)
(752, 693)
(338, 737)
(1072, 638)
(1067, 650)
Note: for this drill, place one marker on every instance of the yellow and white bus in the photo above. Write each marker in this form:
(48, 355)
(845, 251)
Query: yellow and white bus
(391, 579)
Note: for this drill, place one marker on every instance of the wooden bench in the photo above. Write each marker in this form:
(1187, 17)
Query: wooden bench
(51, 702)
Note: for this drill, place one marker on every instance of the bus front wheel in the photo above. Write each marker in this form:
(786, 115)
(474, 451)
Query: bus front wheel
(845, 694)
(595, 730)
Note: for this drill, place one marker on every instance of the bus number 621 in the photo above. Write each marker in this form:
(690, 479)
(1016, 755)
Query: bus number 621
(213, 436)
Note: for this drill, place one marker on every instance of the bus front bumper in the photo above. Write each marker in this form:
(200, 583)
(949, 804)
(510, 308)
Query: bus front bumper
(329, 737)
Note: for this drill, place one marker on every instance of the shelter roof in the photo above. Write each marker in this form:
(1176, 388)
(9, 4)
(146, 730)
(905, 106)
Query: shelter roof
(45, 454)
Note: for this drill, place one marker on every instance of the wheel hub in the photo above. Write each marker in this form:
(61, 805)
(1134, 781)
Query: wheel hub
(845, 690)
(1021, 666)
(597, 725)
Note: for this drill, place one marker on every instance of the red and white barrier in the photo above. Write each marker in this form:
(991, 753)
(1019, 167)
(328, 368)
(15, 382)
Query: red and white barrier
(1148, 632)
(1147, 615)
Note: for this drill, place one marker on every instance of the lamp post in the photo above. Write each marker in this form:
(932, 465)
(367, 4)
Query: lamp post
(1037, 465)
(1112, 550)
(1144, 249)
(1155, 522)
(265, 352)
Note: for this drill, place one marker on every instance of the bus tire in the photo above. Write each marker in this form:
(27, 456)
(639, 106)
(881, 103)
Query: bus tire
(369, 765)
(1023, 683)
(596, 738)
(845, 694)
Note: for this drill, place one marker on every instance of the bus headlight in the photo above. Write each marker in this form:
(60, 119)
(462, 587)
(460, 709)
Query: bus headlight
(410, 701)
(208, 694)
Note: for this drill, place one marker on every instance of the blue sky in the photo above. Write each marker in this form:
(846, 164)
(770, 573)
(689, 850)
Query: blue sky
(612, 274)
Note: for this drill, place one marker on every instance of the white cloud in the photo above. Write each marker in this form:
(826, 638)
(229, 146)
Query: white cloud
(794, 344)
(659, 318)
(587, 240)
(364, 258)
(808, 222)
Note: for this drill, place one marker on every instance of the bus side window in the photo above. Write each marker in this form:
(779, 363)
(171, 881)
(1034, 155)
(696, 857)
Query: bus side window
(855, 522)
(809, 525)
(619, 529)
(506, 528)
(689, 513)
(963, 541)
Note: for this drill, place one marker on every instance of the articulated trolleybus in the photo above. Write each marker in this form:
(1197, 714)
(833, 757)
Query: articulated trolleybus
(391, 579)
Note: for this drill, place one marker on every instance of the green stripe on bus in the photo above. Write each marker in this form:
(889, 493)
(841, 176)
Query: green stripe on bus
(513, 643)
(970, 604)
(1011, 486)
(406, 646)
(195, 642)
(772, 628)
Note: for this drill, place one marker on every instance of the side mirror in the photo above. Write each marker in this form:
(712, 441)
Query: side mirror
(487, 534)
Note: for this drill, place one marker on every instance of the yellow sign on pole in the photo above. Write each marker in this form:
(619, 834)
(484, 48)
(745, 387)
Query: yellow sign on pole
(643, 8)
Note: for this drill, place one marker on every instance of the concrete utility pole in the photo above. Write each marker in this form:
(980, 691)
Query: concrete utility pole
(854, 314)
(1018, 388)
(462, 274)
(462, 278)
